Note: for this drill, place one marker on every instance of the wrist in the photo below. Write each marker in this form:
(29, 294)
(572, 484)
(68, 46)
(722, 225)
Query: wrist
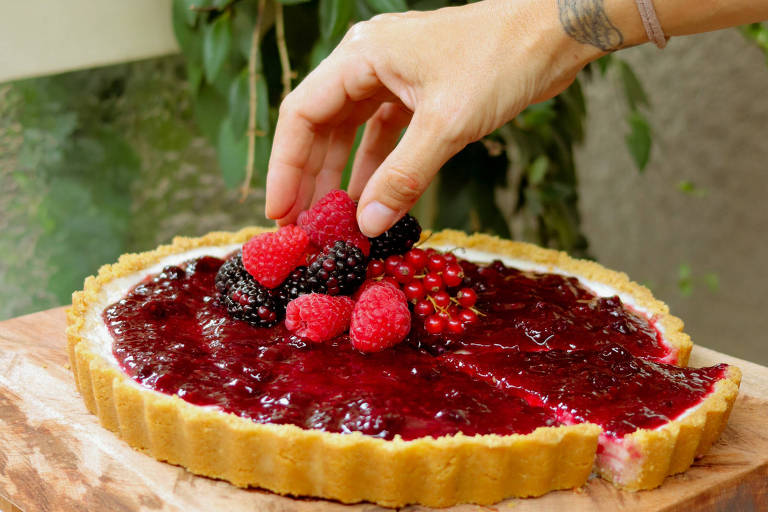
(593, 28)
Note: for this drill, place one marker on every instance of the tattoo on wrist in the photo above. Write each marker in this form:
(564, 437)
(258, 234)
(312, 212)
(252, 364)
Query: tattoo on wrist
(587, 22)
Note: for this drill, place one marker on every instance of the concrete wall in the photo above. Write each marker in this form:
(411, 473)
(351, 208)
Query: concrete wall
(710, 122)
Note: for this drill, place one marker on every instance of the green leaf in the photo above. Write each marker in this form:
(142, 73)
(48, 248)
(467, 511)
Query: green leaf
(194, 77)
(684, 280)
(320, 51)
(217, 39)
(187, 37)
(604, 62)
(388, 5)
(262, 105)
(690, 188)
(638, 139)
(232, 151)
(429, 5)
(243, 22)
(262, 150)
(712, 281)
(293, 2)
(633, 89)
(209, 108)
(538, 114)
(335, 16)
(191, 14)
(363, 11)
(347, 174)
(238, 105)
(538, 169)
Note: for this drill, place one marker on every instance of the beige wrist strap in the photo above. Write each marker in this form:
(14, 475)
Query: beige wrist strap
(651, 23)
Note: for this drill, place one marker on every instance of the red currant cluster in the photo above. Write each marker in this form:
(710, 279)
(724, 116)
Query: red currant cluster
(431, 281)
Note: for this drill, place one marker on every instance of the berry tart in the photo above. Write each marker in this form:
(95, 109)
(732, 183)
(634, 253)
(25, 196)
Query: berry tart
(312, 361)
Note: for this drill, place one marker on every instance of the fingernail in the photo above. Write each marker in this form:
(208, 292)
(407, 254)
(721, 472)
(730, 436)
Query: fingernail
(376, 218)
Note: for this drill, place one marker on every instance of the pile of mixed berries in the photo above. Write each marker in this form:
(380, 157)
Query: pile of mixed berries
(324, 278)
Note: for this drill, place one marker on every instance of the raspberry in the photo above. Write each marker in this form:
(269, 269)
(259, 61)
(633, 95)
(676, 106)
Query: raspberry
(331, 219)
(271, 257)
(338, 270)
(381, 318)
(372, 282)
(398, 239)
(318, 317)
(244, 298)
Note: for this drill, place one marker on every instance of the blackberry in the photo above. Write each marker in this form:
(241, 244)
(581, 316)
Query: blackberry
(293, 286)
(338, 270)
(230, 273)
(244, 298)
(398, 239)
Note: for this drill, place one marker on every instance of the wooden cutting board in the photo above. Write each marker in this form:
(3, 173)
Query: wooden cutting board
(55, 456)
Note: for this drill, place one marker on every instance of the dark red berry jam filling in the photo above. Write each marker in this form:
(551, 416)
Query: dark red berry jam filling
(610, 387)
(546, 352)
(172, 336)
(527, 311)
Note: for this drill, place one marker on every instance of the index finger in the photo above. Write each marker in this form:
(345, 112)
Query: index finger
(323, 99)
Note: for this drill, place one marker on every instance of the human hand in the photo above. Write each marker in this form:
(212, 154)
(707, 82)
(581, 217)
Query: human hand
(450, 76)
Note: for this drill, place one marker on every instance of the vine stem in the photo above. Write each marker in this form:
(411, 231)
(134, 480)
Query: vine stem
(253, 76)
(282, 49)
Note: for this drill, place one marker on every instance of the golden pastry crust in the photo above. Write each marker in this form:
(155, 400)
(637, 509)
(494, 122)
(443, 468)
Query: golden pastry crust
(646, 457)
(439, 472)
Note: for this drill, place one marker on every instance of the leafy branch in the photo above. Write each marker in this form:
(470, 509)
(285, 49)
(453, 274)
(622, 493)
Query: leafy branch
(244, 55)
(253, 96)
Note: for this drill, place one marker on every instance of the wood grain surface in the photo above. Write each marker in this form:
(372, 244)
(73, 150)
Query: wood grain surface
(54, 456)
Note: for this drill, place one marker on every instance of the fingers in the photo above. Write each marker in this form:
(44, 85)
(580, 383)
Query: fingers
(321, 101)
(336, 158)
(405, 174)
(379, 139)
(291, 150)
(303, 197)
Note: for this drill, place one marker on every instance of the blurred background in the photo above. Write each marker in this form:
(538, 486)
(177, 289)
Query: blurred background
(125, 124)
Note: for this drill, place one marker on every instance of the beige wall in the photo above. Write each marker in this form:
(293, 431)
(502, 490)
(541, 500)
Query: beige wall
(41, 37)
(710, 119)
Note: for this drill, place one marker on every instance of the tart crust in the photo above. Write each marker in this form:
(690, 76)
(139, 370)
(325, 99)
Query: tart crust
(431, 471)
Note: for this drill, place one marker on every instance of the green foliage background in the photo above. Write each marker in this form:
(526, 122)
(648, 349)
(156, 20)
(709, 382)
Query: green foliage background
(96, 163)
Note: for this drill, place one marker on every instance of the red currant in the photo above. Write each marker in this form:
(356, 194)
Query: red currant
(442, 299)
(434, 324)
(391, 264)
(424, 308)
(450, 258)
(417, 258)
(433, 282)
(405, 272)
(436, 262)
(414, 290)
(455, 325)
(467, 316)
(467, 297)
(375, 269)
(453, 275)
(391, 280)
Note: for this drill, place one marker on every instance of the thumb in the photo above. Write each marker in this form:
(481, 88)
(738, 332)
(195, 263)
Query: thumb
(405, 174)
